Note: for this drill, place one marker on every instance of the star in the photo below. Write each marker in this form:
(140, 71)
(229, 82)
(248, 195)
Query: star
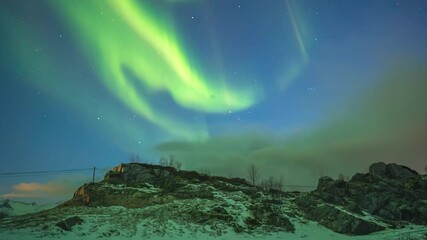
(312, 89)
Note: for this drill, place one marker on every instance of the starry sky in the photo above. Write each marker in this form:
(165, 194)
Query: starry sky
(299, 88)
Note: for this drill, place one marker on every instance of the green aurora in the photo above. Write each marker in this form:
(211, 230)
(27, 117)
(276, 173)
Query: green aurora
(152, 57)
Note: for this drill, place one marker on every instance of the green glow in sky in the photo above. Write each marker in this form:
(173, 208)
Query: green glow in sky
(302, 34)
(132, 49)
(297, 30)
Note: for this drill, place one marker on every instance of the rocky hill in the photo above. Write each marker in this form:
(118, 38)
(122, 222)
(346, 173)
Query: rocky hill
(145, 200)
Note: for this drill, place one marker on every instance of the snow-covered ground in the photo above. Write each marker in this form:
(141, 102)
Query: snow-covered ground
(222, 215)
(92, 229)
(122, 223)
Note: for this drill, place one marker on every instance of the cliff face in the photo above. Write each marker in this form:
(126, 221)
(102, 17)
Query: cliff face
(388, 197)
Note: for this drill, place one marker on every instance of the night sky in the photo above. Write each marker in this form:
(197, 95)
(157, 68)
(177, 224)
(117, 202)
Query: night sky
(299, 88)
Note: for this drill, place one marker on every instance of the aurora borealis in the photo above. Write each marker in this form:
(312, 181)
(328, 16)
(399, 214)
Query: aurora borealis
(155, 60)
(300, 88)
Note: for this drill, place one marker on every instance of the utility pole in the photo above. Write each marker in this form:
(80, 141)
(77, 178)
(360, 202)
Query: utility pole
(93, 176)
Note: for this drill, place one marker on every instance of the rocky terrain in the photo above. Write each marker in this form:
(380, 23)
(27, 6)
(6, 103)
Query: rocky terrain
(392, 194)
(145, 200)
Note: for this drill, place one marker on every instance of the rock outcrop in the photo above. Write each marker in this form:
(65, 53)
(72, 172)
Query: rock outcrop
(5, 208)
(138, 185)
(69, 223)
(336, 218)
(393, 193)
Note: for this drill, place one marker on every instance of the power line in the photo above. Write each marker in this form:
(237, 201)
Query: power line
(46, 172)
(51, 171)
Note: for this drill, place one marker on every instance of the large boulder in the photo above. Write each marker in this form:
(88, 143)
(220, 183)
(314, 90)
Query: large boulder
(6, 204)
(323, 183)
(68, 223)
(341, 221)
(332, 191)
(280, 222)
(392, 171)
(5, 209)
(390, 191)
(269, 214)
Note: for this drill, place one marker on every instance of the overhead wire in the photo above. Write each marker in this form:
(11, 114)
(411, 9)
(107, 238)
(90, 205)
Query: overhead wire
(47, 172)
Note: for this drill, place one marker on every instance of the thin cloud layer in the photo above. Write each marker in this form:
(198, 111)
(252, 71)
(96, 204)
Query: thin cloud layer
(52, 190)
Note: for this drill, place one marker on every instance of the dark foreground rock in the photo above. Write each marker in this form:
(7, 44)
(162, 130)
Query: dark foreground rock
(393, 193)
(336, 218)
(68, 223)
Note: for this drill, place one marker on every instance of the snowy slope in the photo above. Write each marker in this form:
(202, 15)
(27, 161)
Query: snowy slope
(121, 223)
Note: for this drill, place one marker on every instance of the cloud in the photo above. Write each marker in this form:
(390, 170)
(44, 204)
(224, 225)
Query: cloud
(59, 189)
(387, 123)
(50, 187)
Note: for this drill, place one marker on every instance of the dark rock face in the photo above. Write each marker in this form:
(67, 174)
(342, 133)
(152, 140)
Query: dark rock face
(268, 213)
(5, 208)
(323, 182)
(391, 171)
(391, 192)
(6, 204)
(141, 173)
(281, 222)
(68, 223)
(335, 218)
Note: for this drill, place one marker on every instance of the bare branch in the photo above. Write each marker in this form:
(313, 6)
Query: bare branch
(253, 174)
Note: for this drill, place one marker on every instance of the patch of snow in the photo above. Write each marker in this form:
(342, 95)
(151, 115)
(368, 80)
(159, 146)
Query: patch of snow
(147, 188)
(367, 216)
